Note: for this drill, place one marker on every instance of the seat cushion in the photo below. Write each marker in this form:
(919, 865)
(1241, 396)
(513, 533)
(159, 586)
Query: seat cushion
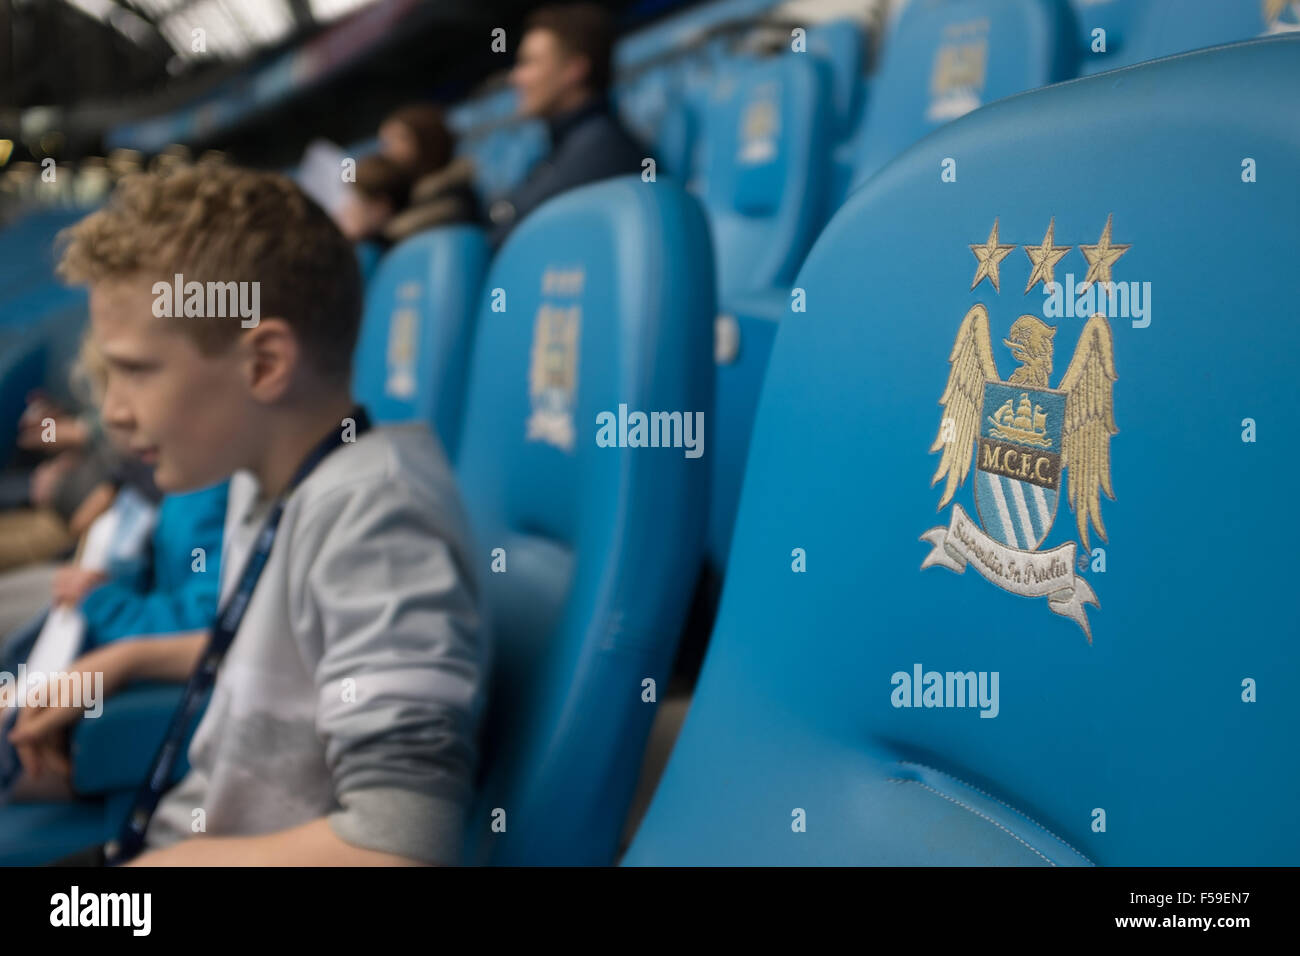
(32, 834)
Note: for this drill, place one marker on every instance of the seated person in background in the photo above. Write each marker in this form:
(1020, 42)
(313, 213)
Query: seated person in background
(168, 585)
(342, 727)
(382, 190)
(172, 588)
(417, 138)
(61, 495)
(562, 75)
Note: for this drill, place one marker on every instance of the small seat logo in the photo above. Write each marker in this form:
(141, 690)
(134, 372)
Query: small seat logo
(553, 375)
(959, 71)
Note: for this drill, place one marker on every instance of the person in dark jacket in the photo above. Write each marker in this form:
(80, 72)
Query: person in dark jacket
(562, 76)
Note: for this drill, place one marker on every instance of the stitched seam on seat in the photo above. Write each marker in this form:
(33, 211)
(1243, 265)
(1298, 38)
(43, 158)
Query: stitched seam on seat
(982, 816)
(912, 763)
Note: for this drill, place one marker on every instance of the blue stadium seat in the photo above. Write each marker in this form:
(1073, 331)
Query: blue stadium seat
(410, 359)
(504, 156)
(1112, 47)
(767, 132)
(521, 146)
(767, 142)
(33, 834)
(948, 57)
(368, 256)
(22, 369)
(840, 43)
(1141, 30)
(1165, 27)
(502, 147)
(645, 101)
(1130, 638)
(606, 306)
(677, 138)
(111, 756)
(465, 116)
(27, 257)
(695, 26)
(38, 355)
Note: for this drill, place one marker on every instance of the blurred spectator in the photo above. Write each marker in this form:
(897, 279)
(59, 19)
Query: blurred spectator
(64, 494)
(46, 510)
(562, 75)
(417, 138)
(382, 190)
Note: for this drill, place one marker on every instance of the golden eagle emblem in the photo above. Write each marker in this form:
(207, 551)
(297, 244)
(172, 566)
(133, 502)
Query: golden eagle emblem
(1021, 436)
(1087, 390)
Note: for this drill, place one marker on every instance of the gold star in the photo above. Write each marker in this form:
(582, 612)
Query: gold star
(1101, 257)
(989, 255)
(1044, 258)
(1273, 10)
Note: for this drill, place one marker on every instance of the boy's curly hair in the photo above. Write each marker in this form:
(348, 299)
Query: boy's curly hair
(219, 223)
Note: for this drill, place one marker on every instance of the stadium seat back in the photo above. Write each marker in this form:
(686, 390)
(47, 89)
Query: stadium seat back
(418, 328)
(368, 253)
(767, 148)
(678, 143)
(645, 101)
(39, 356)
(948, 57)
(523, 144)
(768, 133)
(1165, 27)
(503, 154)
(22, 371)
(1006, 585)
(600, 303)
(1112, 46)
(27, 255)
(841, 45)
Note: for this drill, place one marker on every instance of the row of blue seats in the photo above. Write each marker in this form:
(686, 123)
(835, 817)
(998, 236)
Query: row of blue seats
(1138, 700)
(668, 73)
(816, 735)
(772, 145)
(1126, 730)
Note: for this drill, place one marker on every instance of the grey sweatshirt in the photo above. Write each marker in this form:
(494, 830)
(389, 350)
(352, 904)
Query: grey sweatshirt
(355, 684)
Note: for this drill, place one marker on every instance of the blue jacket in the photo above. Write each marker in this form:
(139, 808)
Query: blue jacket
(168, 595)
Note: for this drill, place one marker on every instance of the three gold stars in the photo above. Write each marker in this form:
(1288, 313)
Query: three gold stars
(1101, 257)
(989, 255)
(1044, 258)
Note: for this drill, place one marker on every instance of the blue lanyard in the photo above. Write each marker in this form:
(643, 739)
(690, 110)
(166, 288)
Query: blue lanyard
(131, 838)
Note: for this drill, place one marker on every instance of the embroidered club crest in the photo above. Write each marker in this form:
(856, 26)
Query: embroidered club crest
(1023, 437)
(959, 71)
(760, 126)
(403, 343)
(553, 375)
(402, 339)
